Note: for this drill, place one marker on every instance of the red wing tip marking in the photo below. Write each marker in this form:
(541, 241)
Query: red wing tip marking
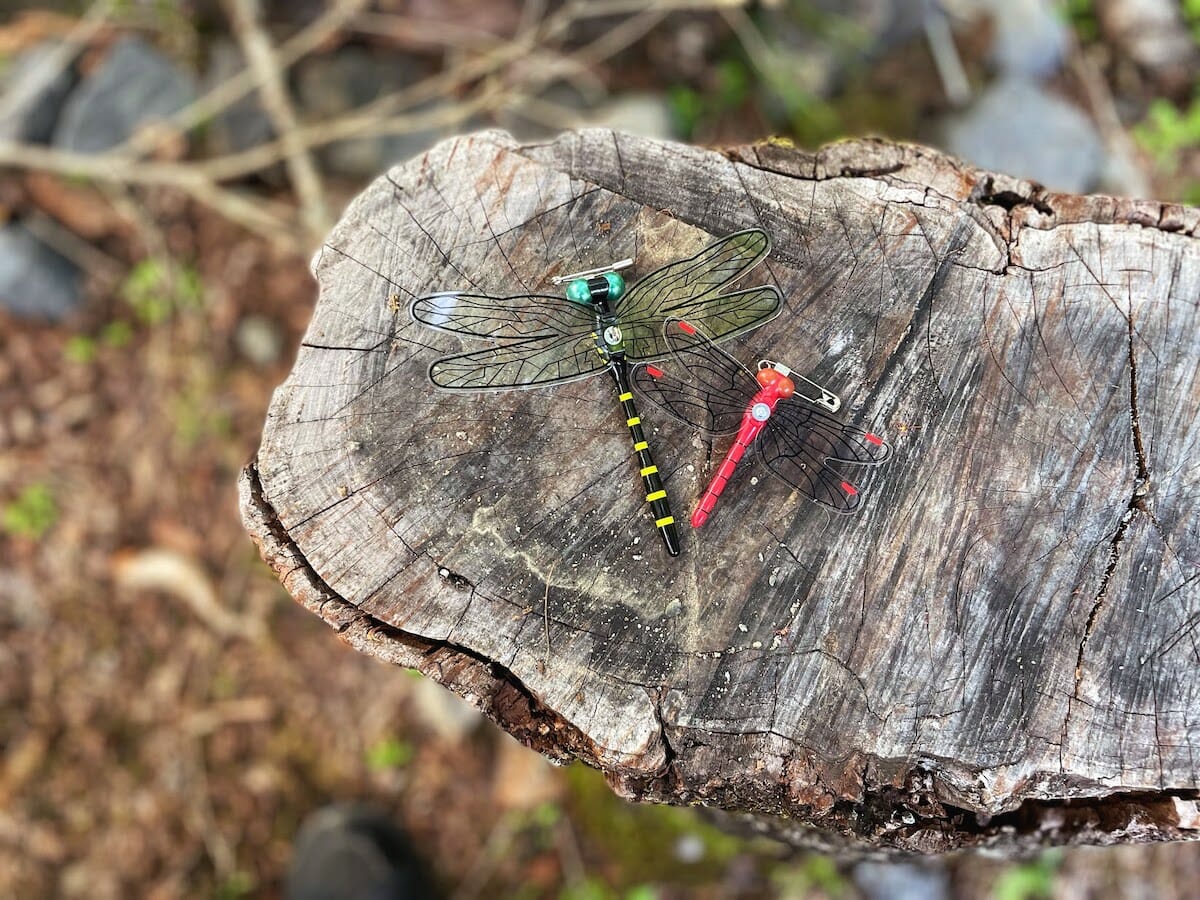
(850, 489)
(875, 439)
(687, 327)
(654, 371)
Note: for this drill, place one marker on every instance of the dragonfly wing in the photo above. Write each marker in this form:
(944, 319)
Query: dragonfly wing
(532, 362)
(719, 382)
(692, 289)
(801, 439)
(519, 316)
(721, 315)
(537, 339)
(681, 397)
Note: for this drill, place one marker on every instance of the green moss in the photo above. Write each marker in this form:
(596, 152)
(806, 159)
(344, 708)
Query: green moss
(32, 513)
(117, 334)
(642, 838)
(156, 289)
(1029, 881)
(80, 349)
(390, 753)
(1081, 16)
(813, 874)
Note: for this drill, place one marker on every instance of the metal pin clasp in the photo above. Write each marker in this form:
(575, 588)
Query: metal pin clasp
(591, 273)
(824, 398)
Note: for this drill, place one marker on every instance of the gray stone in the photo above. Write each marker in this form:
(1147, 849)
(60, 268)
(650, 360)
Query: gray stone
(259, 340)
(32, 92)
(1031, 37)
(243, 124)
(901, 881)
(135, 85)
(332, 85)
(647, 115)
(36, 281)
(1018, 128)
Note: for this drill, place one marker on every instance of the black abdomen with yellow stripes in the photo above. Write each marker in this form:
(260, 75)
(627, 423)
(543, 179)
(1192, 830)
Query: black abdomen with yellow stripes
(656, 494)
(601, 291)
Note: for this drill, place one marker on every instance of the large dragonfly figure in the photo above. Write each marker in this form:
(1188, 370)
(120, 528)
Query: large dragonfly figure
(599, 326)
(796, 433)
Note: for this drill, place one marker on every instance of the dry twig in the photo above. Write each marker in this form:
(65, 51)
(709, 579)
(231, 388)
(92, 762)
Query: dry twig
(260, 54)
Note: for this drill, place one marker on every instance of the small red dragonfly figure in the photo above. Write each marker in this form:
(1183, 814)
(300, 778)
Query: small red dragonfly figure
(796, 440)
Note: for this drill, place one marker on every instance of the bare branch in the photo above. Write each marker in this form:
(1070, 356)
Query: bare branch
(260, 54)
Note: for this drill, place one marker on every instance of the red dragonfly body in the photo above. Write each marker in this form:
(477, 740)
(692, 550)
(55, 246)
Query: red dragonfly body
(782, 416)
(775, 386)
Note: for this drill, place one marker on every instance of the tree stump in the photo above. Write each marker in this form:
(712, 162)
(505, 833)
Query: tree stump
(1000, 649)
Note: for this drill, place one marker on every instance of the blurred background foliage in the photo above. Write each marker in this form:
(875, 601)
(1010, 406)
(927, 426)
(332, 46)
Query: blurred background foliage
(169, 716)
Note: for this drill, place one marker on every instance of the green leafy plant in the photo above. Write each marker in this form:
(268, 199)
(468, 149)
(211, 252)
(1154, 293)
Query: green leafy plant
(594, 889)
(80, 348)
(1167, 130)
(117, 334)
(32, 513)
(813, 873)
(1081, 16)
(388, 754)
(156, 289)
(1029, 881)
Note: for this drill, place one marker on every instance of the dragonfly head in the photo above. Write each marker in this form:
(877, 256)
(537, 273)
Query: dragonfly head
(770, 377)
(605, 287)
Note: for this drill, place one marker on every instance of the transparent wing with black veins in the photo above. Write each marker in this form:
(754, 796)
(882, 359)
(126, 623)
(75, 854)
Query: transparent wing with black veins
(800, 441)
(692, 289)
(533, 362)
(700, 384)
(677, 396)
(499, 318)
(539, 339)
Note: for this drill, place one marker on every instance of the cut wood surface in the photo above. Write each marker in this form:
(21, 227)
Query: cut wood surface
(1000, 648)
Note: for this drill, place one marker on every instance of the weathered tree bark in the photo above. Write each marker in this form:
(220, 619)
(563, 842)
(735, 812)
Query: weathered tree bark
(1001, 648)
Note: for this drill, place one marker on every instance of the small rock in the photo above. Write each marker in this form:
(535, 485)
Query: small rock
(1031, 37)
(134, 86)
(901, 881)
(443, 712)
(36, 281)
(1018, 128)
(646, 115)
(33, 90)
(259, 340)
(332, 85)
(689, 849)
(243, 124)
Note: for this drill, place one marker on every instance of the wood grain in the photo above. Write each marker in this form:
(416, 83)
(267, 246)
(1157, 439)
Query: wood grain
(999, 649)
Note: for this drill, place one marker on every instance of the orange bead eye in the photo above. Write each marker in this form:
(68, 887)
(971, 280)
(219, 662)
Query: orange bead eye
(767, 377)
(785, 387)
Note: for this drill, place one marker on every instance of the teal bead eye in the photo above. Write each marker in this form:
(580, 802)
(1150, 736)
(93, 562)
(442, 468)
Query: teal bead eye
(578, 292)
(616, 285)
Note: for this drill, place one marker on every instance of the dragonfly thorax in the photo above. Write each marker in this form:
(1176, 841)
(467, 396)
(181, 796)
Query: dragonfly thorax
(612, 336)
(760, 411)
(774, 381)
